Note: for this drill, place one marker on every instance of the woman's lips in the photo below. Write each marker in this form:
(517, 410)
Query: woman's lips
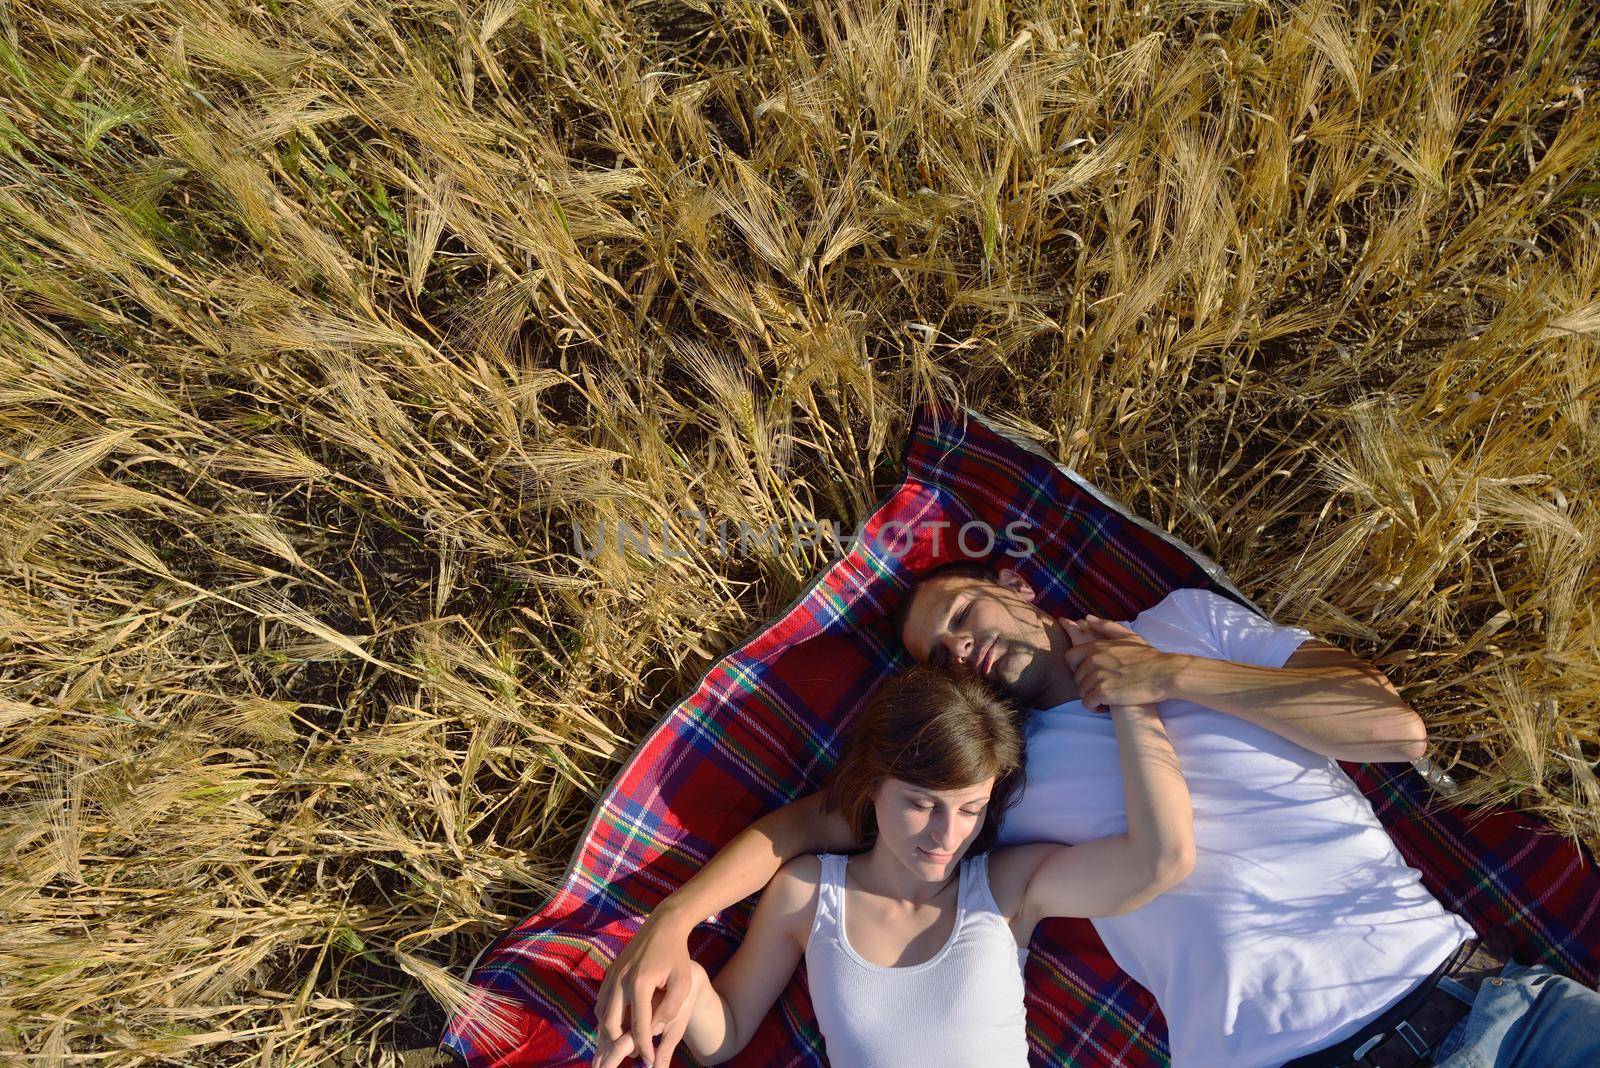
(935, 856)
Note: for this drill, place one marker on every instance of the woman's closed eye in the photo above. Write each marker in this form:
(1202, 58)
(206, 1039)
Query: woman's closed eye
(927, 806)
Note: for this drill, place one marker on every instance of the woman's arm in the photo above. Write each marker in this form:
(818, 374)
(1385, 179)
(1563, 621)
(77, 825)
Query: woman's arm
(746, 987)
(1112, 875)
(723, 1014)
(657, 957)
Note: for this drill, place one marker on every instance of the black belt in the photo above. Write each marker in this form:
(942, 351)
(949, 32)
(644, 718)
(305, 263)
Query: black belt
(1407, 1033)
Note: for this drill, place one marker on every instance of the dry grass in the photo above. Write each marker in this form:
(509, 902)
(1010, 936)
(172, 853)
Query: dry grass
(323, 323)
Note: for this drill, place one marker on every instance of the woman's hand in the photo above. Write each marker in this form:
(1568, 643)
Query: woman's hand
(619, 1051)
(656, 958)
(1114, 666)
(609, 1055)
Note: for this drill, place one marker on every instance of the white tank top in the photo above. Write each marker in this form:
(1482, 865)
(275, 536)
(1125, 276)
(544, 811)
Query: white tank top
(962, 1007)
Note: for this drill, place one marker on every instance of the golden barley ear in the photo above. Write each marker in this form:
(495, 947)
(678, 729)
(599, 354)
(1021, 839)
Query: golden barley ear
(325, 328)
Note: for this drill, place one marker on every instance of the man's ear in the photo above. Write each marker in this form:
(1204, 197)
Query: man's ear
(1012, 580)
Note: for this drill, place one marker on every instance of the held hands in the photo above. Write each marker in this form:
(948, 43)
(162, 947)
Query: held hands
(612, 1054)
(655, 962)
(1114, 666)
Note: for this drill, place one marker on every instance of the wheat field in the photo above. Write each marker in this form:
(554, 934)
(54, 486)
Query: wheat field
(325, 323)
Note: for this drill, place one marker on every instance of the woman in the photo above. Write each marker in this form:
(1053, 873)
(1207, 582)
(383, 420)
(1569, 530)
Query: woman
(914, 949)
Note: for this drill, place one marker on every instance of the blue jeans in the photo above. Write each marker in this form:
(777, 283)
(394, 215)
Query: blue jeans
(1528, 1016)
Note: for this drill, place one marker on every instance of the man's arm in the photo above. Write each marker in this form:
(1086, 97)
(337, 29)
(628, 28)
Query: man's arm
(720, 1016)
(1322, 698)
(657, 956)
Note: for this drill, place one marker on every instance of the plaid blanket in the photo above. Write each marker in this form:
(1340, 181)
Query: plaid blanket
(763, 725)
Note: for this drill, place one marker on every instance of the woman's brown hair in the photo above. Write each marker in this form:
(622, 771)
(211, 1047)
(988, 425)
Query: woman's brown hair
(932, 728)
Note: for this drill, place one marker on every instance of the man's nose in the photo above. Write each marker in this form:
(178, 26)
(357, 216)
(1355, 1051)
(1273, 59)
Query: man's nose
(959, 647)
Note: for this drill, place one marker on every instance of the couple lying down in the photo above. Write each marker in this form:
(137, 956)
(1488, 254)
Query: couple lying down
(1229, 865)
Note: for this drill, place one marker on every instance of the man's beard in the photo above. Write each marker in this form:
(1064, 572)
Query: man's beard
(1022, 685)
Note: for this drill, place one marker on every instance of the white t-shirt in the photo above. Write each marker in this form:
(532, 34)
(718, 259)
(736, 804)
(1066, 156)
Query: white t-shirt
(1301, 922)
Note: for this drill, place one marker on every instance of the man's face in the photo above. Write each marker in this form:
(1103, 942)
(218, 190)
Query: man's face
(989, 627)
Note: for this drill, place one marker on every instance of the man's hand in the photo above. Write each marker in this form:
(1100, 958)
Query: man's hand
(1114, 666)
(610, 1055)
(656, 959)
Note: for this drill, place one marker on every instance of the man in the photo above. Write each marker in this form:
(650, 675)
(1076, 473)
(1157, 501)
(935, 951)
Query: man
(1301, 932)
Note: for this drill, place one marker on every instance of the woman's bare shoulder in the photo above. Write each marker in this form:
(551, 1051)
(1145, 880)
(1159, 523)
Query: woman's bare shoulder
(790, 899)
(802, 874)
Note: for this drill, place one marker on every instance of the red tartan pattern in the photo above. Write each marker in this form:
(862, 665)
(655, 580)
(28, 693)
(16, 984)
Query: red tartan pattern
(761, 728)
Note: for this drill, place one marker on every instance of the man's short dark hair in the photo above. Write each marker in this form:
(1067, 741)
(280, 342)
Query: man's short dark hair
(976, 569)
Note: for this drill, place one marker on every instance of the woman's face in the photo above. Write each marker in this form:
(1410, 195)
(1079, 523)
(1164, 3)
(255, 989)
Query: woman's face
(929, 830)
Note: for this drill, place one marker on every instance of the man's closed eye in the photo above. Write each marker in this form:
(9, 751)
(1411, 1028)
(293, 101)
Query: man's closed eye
(941, 655)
